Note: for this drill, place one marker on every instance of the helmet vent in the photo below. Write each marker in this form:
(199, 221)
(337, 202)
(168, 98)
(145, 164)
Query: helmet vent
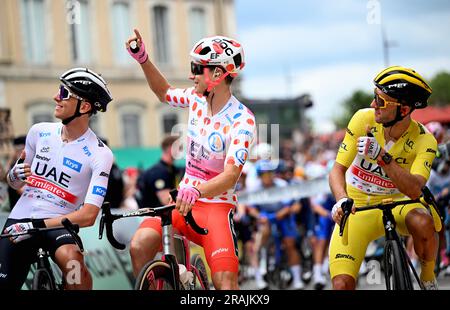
(205, 51)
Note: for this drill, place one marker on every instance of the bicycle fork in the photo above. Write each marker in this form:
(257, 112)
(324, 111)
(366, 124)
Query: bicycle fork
(43, 263)
(169, 253)
(391, 234)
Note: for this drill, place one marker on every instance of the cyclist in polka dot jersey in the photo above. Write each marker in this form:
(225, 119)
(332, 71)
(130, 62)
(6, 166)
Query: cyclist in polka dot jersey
(220, 132)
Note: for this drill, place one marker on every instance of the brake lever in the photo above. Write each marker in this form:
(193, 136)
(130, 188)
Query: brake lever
(347, 208)
(73, 229)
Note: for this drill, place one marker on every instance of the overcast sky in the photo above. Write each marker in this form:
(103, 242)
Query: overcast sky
(331, 48)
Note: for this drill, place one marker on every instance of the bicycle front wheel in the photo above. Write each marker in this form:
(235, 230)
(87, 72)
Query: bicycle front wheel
(396, 268)
(201, 281)
(42, 281)
(155, 275)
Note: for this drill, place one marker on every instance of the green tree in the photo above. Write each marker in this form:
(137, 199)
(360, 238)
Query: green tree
(358, 100)
(440, 84)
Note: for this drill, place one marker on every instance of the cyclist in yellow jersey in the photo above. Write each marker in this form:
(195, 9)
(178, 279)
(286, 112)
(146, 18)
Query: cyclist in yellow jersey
(385, 154)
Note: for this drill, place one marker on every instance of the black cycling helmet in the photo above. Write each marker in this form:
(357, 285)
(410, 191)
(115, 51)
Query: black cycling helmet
(405, 85)
(88, 85)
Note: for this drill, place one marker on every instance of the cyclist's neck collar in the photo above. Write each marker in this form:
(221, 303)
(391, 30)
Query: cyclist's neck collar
(396, 131)
(217, 100)
(74, 131)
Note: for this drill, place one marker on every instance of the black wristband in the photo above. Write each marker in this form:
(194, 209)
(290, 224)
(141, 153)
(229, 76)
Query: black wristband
(199, 193)
(38, 223)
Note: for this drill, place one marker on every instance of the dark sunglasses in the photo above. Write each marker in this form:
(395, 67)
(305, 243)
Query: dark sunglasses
(197, 69)
(65, 93)
(382, 103)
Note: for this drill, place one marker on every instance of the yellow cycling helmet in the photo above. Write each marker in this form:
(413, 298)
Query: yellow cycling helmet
(405, 85)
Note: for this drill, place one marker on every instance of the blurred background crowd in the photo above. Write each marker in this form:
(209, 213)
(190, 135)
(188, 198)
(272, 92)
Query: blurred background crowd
(302, 110)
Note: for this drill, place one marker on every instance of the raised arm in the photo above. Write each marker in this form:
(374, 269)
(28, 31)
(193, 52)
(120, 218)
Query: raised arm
(157, 82)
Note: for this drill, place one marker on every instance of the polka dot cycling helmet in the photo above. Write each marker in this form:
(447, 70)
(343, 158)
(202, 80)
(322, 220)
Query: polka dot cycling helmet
(219, 51)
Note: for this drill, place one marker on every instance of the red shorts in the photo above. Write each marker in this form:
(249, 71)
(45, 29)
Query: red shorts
(219, 245)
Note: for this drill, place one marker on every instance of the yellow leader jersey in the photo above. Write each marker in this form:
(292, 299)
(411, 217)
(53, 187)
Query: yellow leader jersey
(367, 183)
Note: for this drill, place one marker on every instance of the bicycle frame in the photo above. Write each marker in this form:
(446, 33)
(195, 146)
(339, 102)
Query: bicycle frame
(42, 253)
(168, 238)
(389, 223)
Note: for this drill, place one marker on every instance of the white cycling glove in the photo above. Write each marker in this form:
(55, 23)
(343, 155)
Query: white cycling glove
(18, 174)
(19, 228)
(338, 205)
(368, 146)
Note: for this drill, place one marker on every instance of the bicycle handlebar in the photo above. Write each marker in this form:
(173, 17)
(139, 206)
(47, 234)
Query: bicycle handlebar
(426, 199)
(108, 218)
(73, 229)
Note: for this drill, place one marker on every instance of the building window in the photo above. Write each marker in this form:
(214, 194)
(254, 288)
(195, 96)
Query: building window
(40, 112)
(161, 34)
(130, 120)
(80, 31)
(131, 129)
(34, 17)
(121, 29)
(197, 24)
(169, 121)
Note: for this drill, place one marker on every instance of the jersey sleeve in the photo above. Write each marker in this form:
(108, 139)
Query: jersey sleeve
(426, 152)
(98, 185)
(180, 97)
(356, 128)
(243, 135)
(30, 144)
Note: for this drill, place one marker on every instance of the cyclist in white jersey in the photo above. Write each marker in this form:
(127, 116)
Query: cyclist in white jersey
(220, 133)
(64, 173)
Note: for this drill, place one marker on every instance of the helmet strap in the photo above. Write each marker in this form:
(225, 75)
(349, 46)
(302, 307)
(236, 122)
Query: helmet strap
(398, 117)
(212, 84)
(76, 114)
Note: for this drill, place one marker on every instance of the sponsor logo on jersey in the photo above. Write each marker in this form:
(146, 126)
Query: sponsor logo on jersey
(343, 147)
(245, 132)
(427, 165)
(401, 161)
(194, 122)
(229, 119)
(45, 149)
(100, 143)
(371, 178)
(98, 190)
(41, 183)
(373, 168)
(42, 157)
(198, 151)
(431, 151)
(44, 134)
(44, 170)
(241, 155)
(86, 151)
(216, 142)
(104, 174)
(72, 164)
(408, 146)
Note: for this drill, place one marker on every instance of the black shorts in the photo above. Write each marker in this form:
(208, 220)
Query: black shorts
(16, 258)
